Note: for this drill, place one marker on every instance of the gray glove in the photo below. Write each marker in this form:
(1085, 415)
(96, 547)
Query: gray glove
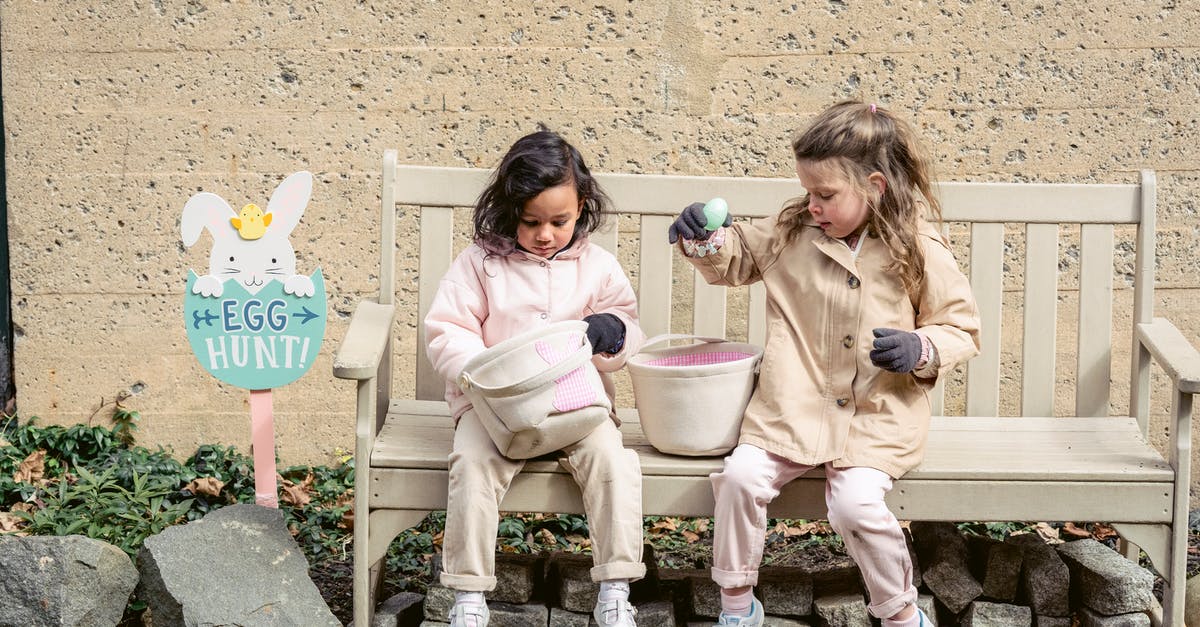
(606, 333)
(690, 224)
(896, 350)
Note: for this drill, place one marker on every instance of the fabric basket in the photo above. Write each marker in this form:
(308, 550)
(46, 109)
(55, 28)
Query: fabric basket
(537, 392)
(691, 398)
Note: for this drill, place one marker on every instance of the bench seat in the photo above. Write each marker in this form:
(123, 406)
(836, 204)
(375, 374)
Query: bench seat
(1032, 468)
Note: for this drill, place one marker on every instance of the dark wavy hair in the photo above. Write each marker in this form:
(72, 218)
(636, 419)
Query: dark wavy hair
(861, 139)
(535, 163)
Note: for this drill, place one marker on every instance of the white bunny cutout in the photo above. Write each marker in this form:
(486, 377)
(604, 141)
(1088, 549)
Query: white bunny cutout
(250, 256)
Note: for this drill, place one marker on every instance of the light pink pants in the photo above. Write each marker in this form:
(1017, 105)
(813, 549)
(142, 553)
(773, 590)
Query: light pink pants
(753, 478)
(608, 473)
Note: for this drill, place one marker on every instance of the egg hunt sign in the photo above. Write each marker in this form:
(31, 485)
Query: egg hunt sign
(253, 320)
(256, 341)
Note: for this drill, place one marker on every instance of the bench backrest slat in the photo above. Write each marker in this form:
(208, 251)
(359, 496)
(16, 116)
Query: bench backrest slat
(987, 281)
(1143, 303)
(437, 235)
(1094, 343)
(1041, 303)
(985, 208)
(654, 276)
(708, 308)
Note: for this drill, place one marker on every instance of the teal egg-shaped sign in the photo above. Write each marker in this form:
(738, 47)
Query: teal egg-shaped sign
(257, 341)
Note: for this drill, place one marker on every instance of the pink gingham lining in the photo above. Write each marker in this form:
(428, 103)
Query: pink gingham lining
(699, 359)
(571, 391)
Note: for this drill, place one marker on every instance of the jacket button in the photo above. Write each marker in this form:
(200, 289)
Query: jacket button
(848, 341)
(853, 282)
(543, 264)
(842, 402)
(545, 315)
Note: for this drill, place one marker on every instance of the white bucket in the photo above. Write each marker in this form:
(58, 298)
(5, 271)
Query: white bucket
(690, 399)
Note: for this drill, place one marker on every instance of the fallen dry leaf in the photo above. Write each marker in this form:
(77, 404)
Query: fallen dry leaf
(666, 524)
(208, 486)
(297, 495)
(10, 522)
(702, 525)
(33, 469)
(690, 537)
(547, 537)
(1048, 533)
(1101, 531)
(1072, 530)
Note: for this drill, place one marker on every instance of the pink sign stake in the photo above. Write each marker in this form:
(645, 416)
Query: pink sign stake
(262, 439)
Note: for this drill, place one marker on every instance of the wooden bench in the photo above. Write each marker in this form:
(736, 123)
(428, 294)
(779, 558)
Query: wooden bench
(1036, 466)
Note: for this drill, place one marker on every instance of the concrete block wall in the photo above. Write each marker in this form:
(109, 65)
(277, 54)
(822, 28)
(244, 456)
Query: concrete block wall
(116, 113)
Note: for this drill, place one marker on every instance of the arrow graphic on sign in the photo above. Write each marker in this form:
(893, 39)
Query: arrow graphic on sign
(208, 318)
(305, 315)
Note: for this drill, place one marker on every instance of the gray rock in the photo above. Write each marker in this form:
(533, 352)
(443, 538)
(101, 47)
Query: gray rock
(775, 621)
(571, 577)
(1045, 581)
(404, 608)
(236, 566)
(512, 615)
(986, 614)
(657, 613)
(1191, 604)
(518, 576)
(945, 568)
(841, 610)
(68, 580)
(1002, 572)
(433, 623)
(438, 601)
(926, 603)
(1051, 621)
(562, 618)
(1106, 581)
(1089, 618)
(705, 596)
(785, 591)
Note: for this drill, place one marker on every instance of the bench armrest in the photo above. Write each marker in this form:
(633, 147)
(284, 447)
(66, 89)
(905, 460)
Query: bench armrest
(1173, 352)
(369, 336)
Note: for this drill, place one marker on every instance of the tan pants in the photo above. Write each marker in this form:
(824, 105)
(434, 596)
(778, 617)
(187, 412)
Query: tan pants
(608, 473)
(752, 479)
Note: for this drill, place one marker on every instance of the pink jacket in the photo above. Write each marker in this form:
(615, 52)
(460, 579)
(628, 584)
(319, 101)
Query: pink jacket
(484, 300)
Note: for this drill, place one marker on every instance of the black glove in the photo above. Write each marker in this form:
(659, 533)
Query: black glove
(896, 350)
(606, 332)
(690, 224)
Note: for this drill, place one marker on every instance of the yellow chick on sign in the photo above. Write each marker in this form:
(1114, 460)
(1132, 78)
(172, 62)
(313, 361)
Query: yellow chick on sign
(251, 222)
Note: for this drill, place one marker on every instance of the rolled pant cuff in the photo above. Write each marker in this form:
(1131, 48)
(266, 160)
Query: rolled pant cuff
(890, 607)
(468, 583)
(619, 570)
(735, 578)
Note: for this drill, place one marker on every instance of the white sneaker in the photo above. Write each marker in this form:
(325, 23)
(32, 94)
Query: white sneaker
(469, 615)
(619, 613)
(755, 619)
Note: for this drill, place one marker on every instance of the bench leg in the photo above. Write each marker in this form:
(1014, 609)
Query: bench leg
(379, 528)
(1166, 546)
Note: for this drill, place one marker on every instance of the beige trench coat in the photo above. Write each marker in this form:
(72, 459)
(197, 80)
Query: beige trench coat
(819, 398)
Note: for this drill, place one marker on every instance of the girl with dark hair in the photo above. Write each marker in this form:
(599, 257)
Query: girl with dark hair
(531, 265)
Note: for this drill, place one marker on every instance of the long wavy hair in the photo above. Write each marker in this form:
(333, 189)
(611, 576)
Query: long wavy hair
(859, 140)
(535, 163)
